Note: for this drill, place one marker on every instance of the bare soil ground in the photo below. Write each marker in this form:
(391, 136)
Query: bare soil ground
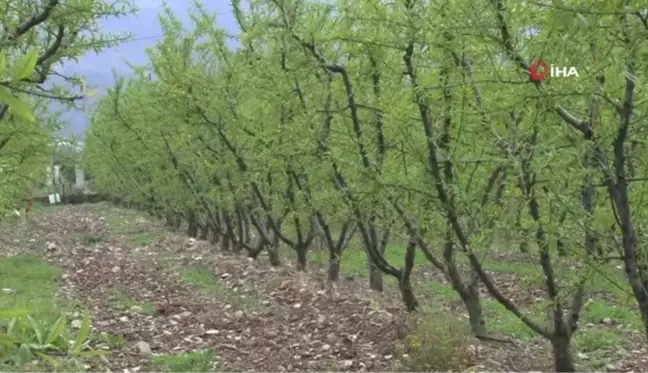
(156, 293)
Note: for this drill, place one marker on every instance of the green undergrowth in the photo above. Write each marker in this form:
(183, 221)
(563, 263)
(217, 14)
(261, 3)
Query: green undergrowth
(195, 361)
(437, 342)
(31, 283)
(124, 222)
(39, 319)
(88, 239)
(606, 280)
(598, 311)
(143, 238)
(206, 282)
(45, 209)
(117, 218)
(119, 300)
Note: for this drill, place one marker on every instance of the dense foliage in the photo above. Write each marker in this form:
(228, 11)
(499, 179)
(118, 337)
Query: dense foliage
(404, 121)
(36, 38)
(27, 341)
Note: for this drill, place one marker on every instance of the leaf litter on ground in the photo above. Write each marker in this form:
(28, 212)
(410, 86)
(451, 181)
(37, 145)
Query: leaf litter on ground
(298, 323)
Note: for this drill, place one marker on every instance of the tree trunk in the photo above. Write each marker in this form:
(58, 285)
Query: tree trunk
(334, 266)
(273, 255)
(228, 238)
(253, 254)
(170, 220)
(240, 229)
(204, 231)
(524, 245)
(301, 257)
(178, 222)
(468, 291)
(227, 221)
(405, 285)
(192, 228)
(225, 244)
(563, 361)
(216, 234)
(471, 299)
(247, 228)
(560, 246)
(639, 290)
(375, 277)
(404, 282)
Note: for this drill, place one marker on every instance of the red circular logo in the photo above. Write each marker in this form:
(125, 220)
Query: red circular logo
(538, 70)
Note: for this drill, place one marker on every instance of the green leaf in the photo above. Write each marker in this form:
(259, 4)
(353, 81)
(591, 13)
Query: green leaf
(84, 332)
(24, 355)
(37, 329)
(12, 325)
(56, 330)
(7, 340)
(25, 66)
(13, 312)
(18, 107)
(581, 18)
(3, 62)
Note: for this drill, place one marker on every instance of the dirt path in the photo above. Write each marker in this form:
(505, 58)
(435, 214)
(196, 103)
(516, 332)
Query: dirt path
(253, 317)
(154, 294)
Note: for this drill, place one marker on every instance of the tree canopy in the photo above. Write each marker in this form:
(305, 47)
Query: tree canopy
(404, 121)
(37, 38)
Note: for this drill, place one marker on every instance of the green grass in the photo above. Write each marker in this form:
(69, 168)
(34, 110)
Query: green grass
(442, 291)
(354, 258)
(119, 220)
(595, 340)
(500, 320)
(523, 269)
(204, 280)
(607, 279)
(596, 311)
(86, 238)
(31, 283)
(123, 222)
(437, 342)
(121, 302)
(44, 209)
(195, 361)
(143, 238)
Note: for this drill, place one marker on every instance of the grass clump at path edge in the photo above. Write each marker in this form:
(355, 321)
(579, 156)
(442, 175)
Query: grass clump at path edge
(195, 361)
(31, 283)
(205, 281)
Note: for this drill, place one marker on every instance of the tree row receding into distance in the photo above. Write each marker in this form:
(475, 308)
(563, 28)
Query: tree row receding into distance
(409, 121)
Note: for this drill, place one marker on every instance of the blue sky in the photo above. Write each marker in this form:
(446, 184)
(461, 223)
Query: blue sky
(97, 68)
